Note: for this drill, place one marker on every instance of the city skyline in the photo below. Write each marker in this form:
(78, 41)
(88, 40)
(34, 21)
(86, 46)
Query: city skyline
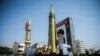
(14, 14)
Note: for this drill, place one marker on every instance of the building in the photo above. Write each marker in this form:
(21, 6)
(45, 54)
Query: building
(18, 48)
(80, 49)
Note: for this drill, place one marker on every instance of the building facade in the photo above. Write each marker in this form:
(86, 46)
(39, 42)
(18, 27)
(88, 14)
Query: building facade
(80, 49)
(18, 48)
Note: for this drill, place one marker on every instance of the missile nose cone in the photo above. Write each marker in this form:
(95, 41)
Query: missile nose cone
(52, 9)
(28, 24)
(29, 21)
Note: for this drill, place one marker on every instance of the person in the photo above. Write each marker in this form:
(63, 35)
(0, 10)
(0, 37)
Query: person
(61, 37)
(60, 40)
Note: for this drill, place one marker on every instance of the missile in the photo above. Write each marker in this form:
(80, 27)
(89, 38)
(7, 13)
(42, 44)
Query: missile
(52, 31)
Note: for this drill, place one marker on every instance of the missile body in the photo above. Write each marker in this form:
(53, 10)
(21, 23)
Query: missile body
(52, 31)
(28, 34)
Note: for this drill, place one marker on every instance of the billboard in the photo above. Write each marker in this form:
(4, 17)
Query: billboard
(64, 31)
(61, 34)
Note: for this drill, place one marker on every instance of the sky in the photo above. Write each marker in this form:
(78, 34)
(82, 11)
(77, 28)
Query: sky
(14, 14)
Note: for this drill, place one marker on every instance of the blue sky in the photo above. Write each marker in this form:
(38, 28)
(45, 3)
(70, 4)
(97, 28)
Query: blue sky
(14, 14)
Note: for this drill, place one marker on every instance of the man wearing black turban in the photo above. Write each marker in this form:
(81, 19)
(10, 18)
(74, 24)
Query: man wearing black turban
(60, 36)
(60, 40)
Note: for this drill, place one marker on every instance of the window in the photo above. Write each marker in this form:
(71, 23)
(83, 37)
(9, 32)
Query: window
(20, 46)
(20, 51)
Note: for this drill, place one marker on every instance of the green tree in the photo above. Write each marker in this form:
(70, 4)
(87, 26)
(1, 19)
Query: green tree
(5, 50)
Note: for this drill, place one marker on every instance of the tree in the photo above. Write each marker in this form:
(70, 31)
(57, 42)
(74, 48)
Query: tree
(5, 50)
